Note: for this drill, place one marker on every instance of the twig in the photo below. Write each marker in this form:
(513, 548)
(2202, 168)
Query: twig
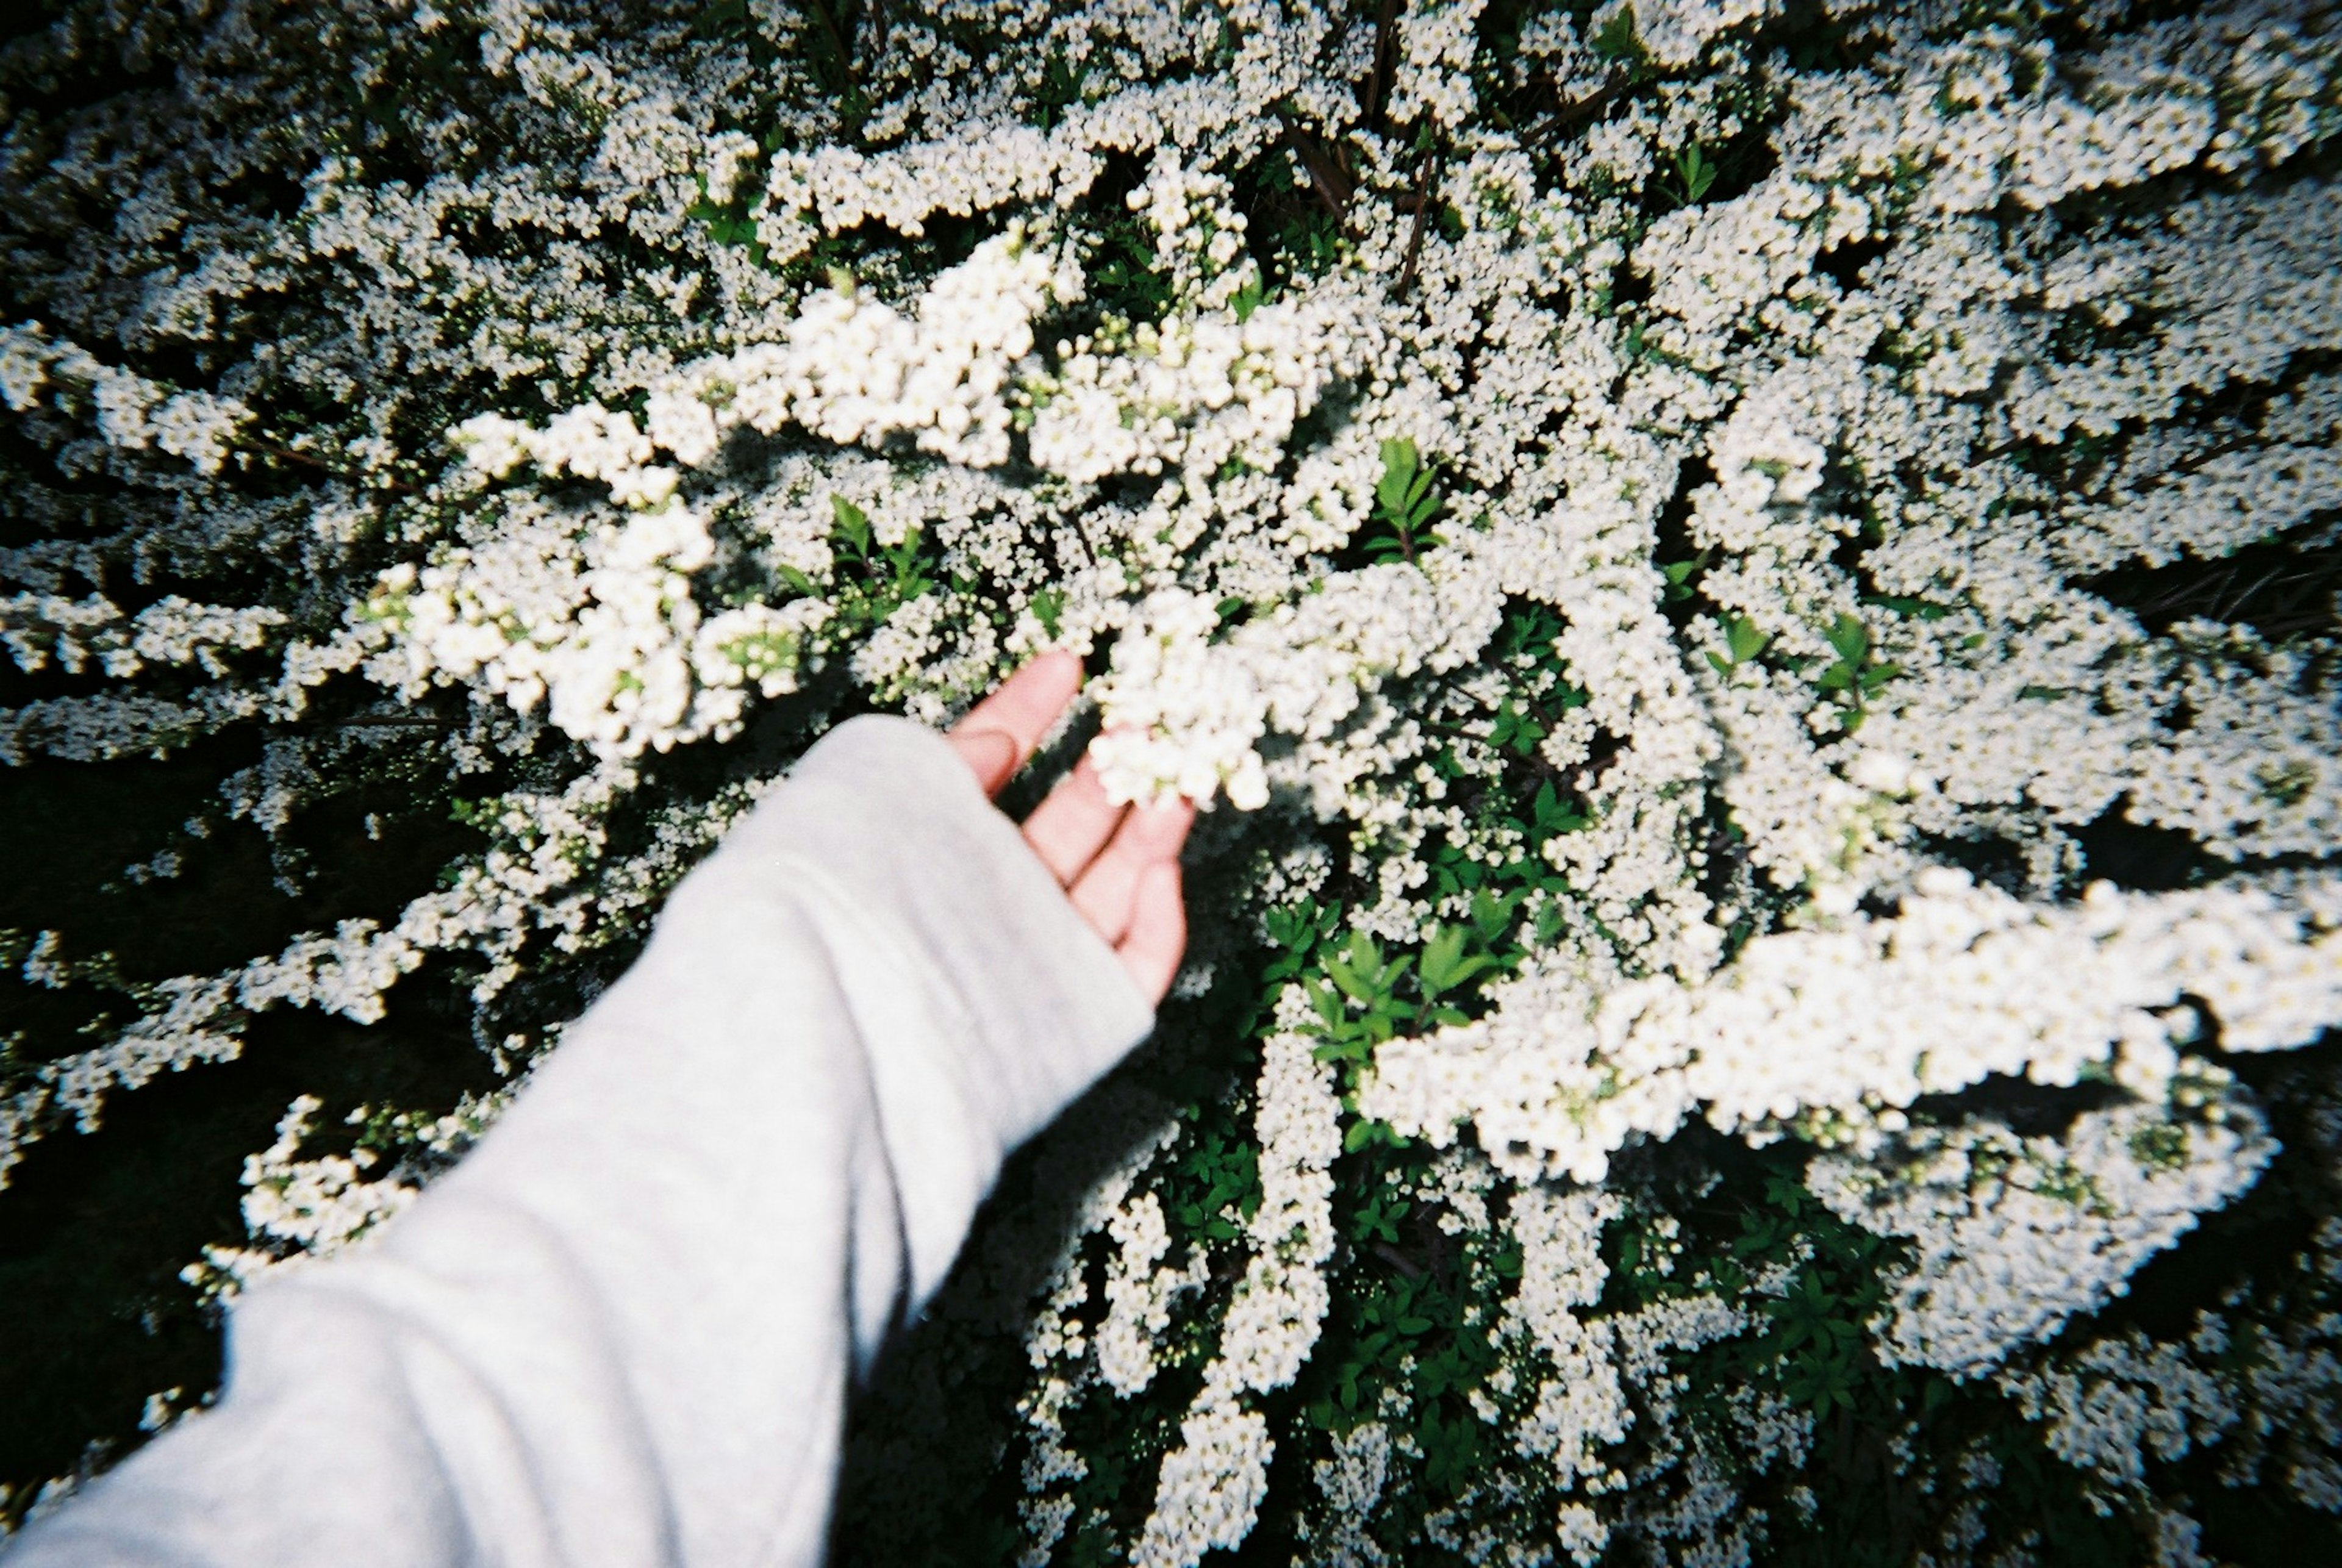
(312, 460)
(1331, 186)
(1386, 61)
(1422, 215)
(1399, 1260)
(1575, 115)
(828, 15)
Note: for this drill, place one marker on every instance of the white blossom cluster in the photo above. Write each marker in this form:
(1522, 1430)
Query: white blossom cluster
(1139, 1295)
(174, 630)
(2265, 1396)
(852, 368)
(2015, 1236)
(1212, 1482)
(619, 651)
(299, 1210)
(132, 412)
(1837, 1030)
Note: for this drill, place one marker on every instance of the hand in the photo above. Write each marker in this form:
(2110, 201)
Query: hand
(1119, 865)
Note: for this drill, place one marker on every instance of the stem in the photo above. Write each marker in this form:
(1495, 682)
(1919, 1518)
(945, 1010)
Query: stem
(1386, 61)
(1326, 181)
(312, 460)
(852, 90)
(1422, 215)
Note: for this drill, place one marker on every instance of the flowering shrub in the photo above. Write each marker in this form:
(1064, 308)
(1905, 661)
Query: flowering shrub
(1749, 585)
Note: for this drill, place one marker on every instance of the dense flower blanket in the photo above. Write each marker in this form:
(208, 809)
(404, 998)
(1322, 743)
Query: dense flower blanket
(1749, 587)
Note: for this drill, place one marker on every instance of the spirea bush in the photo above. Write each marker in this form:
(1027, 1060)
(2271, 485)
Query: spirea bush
(1749, 584)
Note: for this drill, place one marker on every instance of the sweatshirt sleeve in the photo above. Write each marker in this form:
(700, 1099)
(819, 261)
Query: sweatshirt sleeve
(623, 1329)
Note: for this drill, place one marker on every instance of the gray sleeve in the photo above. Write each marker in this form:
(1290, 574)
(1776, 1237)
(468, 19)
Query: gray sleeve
(623, 1329)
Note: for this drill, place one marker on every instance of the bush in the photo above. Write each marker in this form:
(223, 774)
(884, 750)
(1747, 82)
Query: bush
(1751, 585)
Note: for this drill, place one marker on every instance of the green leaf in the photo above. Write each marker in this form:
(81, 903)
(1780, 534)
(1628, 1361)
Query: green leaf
(1741, 636)
(1354, 985)
(799, 583)
(1399, 466)
(1551, 817)
(1492, 913)
(1678, 576)
(1616, 41)
(1049, 607)
(1849, 639)
(1444, 964)
(1697, 172)
(853, 523)
(1919, 609)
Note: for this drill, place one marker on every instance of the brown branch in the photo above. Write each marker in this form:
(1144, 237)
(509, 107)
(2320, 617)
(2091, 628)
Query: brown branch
(1385, 62)
(1399, 1261)
(845, 51)
(1326, 181)
(312, 460)
(1421, 215)
(1575, 115)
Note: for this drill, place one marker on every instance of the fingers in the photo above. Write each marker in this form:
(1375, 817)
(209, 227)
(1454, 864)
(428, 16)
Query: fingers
(992, 756)
(1157, 938)
(1000, 733)
(1106, 893)
(1120, 866)
(1068, 828)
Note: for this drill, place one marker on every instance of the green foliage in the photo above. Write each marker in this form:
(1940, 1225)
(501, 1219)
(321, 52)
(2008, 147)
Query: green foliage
(1742, 641)
(1405, 503)
(1677, 576)
(874, 579)
(729, 224)
(1059, 89)
(826, 41)
(1049, 608)
(1616, 41)
(1694, 175)
(1249, 299)
(1124, 280)
(1856, 675)
(1217, 1184)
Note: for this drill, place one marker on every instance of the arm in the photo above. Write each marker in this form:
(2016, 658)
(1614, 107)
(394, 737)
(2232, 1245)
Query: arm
(621, 1331)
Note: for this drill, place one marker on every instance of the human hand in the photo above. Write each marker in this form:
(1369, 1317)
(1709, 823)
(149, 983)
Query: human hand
(1119, 865)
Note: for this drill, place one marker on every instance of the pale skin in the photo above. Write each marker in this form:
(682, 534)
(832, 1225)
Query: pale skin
(1119, 865)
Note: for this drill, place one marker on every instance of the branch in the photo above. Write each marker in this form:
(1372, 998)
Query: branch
(1331, 186)
(1385, 62)
(310, 459)
(828, 15)
(1421, 215)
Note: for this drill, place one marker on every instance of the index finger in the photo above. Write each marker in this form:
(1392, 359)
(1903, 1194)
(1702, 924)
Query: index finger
(1018, 713)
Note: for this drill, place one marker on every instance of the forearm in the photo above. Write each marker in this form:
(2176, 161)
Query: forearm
(623, 1330)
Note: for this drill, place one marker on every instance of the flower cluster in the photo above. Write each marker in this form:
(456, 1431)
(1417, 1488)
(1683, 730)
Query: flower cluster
(2017, 1235)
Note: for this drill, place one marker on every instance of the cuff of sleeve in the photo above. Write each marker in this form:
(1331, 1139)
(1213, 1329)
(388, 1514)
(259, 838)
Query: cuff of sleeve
(985, 1002)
